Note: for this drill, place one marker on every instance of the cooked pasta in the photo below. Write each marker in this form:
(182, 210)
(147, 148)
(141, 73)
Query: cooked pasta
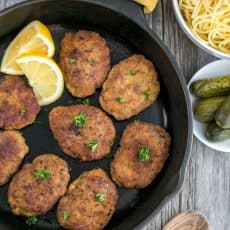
(209, 20)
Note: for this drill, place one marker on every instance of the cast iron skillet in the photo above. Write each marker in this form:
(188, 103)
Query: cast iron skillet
(123, 25)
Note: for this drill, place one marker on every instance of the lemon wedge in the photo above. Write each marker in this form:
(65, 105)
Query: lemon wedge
(44, 76)
(149, 5)
(34, 38)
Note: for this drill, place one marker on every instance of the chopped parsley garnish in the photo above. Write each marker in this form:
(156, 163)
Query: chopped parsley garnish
(93, 145)
(66, 215)
(37, 122)
(72, 60)
(80, 119)
(46, 110)
(109, 155)
(22, 112)
(121, 100)
(133, 72)
(143, 153)
(100, 197)
(43, 174)
(83, 101)
(92, 62)
(32, 220)
(147, 94)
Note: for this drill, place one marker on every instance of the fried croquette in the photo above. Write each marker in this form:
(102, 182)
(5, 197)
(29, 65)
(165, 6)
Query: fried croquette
(82, 131)
(13, 149)
(36, 188)
(18, 103)
(85, 62)
(89, 203)
(130, 88)
(144, 148)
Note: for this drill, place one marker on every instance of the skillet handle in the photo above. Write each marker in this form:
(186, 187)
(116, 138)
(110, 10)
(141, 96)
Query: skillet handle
(129, 8)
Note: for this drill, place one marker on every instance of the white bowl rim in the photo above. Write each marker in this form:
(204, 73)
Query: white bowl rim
(192, 37)
(214, 145)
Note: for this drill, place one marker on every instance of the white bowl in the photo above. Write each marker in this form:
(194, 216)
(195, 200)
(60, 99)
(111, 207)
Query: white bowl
(214, 69)
(193, 37)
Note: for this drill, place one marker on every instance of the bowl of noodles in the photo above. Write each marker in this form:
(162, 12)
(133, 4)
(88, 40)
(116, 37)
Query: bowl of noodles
(206, 23)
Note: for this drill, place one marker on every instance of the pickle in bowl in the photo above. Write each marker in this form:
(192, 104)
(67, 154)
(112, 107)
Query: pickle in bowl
(223, 114)
(213, 87)
(215, 133)
(205, 109)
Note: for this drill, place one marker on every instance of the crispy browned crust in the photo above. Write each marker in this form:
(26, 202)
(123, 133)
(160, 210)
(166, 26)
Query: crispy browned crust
(86, 212)
(13, 149)
(31, 196)
(74, 141)
(127, 169)
(81, 76)
(122, 84)
(14, 96)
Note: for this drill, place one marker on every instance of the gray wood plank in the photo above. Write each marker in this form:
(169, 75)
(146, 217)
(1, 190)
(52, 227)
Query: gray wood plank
(213, 186)
(2, 5)
(207, 184)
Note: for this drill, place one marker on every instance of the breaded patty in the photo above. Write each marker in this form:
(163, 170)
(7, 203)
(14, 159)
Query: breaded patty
(144, 148)
(130, 88)
(85, 62)
(36, 188)
(89, 203)
(18, 104)
(82, 131)
(13, 149)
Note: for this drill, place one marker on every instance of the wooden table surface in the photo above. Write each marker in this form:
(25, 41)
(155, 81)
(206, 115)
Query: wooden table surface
(207, 183)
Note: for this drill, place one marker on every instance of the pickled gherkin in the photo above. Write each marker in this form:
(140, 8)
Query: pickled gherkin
(212, 87)
(205, 109)
(215, 133)
(223, 114)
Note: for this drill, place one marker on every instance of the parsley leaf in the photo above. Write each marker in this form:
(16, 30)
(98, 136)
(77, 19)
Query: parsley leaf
(121, 100)
(83, 101)
(80, 119)
(37, 122)
(109, 155)
(22, 112)
(143, 153)
(133, 72)
(92, 62)
(100, 197)
(147, 94)
(66, 215)
(72, 60)
(93, 145)
(43, 174)
(32, 220)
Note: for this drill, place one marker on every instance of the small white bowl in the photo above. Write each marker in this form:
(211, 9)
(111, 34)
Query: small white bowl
(193, 37)
(212, 70)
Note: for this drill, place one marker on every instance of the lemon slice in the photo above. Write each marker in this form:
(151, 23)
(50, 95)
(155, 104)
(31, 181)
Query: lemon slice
(34, 38)
(44, 75)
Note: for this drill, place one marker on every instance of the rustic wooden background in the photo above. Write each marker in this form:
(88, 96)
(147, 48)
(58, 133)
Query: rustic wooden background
(207, 184)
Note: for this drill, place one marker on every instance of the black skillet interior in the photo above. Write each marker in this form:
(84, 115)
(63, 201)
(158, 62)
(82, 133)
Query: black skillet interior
(124, 38)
